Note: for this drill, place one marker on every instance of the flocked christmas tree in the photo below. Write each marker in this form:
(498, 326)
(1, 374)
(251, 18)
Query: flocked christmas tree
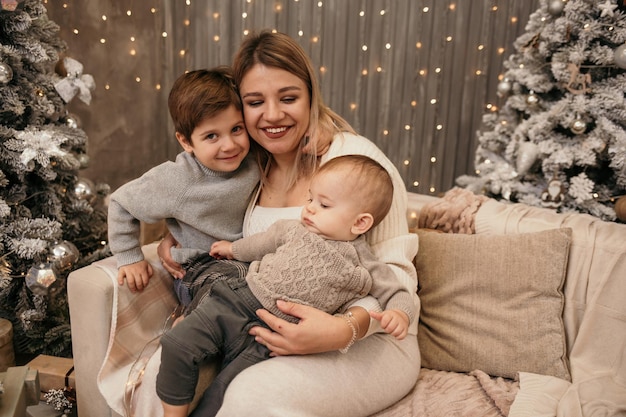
(559, 140)
(52, 220)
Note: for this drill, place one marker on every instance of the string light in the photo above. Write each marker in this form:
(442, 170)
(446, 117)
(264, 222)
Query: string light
(432, 67)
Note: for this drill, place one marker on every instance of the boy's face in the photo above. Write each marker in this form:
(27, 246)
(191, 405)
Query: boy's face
(220, 142)
(332, 211)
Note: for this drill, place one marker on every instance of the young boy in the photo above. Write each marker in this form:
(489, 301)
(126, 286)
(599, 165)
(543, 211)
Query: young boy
(322, 260)
(203, 195)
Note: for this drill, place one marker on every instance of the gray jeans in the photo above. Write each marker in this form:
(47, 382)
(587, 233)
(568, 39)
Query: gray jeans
(217, 328)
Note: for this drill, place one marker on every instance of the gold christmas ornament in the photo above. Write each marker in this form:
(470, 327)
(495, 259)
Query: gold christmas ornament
(620, 208)
(85, 190)
(532, 99)
(63, 254)
(6, 73)
(42, 279)
(578, 126)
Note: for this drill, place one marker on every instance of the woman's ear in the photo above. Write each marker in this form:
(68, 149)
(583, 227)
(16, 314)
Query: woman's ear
(186, 144)
(362, 224)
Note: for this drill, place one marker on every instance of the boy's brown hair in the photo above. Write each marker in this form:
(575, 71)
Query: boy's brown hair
(199, 94)
(371, 183)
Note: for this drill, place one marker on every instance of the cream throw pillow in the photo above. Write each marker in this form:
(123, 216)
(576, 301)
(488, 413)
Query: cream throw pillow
(493, 302)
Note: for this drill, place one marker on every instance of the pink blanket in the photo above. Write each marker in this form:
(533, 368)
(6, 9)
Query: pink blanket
(441, 393)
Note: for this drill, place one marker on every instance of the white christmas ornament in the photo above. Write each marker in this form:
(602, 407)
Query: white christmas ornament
(504, 88)
(75, 82)
(555, 8)
(40, 145)
(527, 154)
(607, 8)
(619, 56)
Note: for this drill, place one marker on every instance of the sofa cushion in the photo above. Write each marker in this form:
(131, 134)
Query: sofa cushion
(493, 302)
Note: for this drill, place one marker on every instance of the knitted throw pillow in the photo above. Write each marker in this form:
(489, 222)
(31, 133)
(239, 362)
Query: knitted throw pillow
(493, 302)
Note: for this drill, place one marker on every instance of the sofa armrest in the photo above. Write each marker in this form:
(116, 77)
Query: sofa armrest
(97, 305)
(90, 297)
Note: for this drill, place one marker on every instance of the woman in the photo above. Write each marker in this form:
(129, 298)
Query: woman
(282, 109)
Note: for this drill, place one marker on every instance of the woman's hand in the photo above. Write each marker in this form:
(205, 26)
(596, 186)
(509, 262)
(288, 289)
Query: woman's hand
(316, 331)
(164, 252)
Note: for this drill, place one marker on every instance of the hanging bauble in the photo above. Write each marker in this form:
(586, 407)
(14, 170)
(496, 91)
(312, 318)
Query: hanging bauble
(620, 208)
(85, 190)
(532, 99)
(83, 159)
(6, 73)
(10, 5)
(504, 88)
(578, 126)
(63, 254)
(42, 278)
(527, 154)
(73, 121)
(619, 56)
(555, 7)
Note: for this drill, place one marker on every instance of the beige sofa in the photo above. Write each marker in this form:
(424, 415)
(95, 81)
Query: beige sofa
(514, 323)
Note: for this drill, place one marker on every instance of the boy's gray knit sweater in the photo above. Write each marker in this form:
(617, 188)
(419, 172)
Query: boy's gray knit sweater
(199, 206)
(291, 263)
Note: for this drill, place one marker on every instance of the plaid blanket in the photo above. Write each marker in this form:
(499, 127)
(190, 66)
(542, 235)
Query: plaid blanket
(128, 375)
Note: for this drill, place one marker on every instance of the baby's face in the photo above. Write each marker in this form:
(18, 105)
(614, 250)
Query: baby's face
(332, 209)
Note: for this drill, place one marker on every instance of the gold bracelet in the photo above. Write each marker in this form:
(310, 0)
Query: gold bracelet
(348, 318)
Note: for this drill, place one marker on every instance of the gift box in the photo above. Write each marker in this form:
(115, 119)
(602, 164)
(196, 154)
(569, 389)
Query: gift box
(20, 388)
(42, 410)
(7, 356)
(46, 410)
(54, 372)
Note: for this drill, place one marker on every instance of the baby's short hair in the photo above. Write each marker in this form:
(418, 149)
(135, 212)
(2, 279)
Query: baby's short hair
(199, 94)
(371, 183)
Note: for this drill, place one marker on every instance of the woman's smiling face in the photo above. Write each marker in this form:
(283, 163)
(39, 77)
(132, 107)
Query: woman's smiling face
(276, 108)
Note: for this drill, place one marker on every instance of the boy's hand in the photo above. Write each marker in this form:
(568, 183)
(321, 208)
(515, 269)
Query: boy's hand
(137, 275)
(222, 249)
(395, 322)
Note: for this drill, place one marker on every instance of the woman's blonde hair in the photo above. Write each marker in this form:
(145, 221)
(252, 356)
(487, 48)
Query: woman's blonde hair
(278, 50)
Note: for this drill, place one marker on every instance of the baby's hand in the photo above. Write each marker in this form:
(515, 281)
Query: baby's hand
(137, 275)
(395, 322)
(222, 249)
